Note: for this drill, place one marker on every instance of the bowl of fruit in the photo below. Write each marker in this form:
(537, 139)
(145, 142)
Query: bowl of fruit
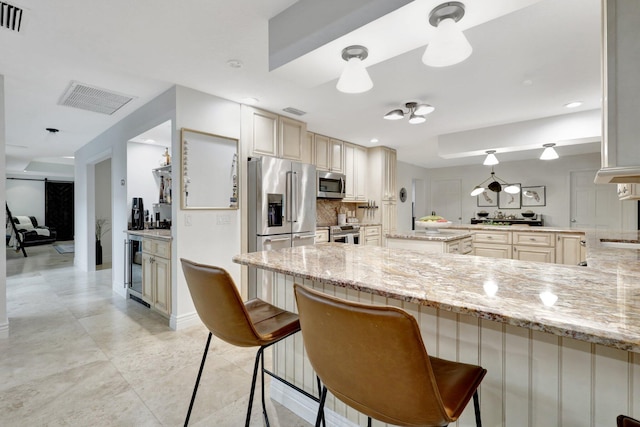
(432, 223)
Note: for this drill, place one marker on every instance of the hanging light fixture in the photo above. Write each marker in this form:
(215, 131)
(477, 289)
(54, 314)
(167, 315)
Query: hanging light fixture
(354, 77)
(491, 158)
(496, 185)
(449, 45)
(416, 112)
(549, 152)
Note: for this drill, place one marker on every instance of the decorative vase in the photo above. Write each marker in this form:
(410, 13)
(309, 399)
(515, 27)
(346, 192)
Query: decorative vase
(98, 252)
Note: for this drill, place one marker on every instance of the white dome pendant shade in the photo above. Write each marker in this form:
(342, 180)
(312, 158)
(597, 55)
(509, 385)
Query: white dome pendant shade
(449, 45)
(354, 77)
(549, 152)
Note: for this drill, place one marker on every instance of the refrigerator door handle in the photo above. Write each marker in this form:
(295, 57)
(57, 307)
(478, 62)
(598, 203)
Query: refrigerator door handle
(294, 192)
(269, 240)
(288, 202)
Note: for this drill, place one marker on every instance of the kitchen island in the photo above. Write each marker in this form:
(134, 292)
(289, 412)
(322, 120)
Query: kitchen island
(451, 242)
(560, 343)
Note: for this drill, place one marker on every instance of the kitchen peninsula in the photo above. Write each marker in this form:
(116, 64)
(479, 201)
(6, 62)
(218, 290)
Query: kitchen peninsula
(560, 343)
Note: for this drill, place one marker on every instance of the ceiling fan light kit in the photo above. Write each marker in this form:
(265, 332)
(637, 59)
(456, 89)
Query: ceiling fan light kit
(449, 45)
(354, 77)
(416, 112)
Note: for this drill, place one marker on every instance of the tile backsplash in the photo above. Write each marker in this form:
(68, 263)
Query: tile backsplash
(327, 211)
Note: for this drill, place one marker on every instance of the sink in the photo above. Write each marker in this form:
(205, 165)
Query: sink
(620, 244)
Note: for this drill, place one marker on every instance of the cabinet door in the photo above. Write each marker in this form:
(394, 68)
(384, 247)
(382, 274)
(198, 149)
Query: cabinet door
(533, 253)
(291, 135)
(492, 251)
(388, 219)
(570, 249)
(322, 236)
(147, 277)
(264, 132)
(336, 153)
(350, 172)
(389, 184)
(321, 157)
(360, 165)
(534, 238)
(162, 285)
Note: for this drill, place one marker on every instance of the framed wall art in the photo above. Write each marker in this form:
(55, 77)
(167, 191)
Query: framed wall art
(508, 200)
(534, 196)
(487, 199)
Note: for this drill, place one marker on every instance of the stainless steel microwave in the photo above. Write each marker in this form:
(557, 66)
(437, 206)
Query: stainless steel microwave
(330, 185)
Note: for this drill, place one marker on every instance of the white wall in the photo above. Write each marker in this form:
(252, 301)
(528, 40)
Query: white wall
(112, 144)
(406, 173)
(26, 197)
(4, 320)
(141, 160)
(213, 236)
(103, 206)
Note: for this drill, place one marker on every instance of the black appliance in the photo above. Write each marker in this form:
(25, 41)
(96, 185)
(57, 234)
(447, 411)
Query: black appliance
(137, 214)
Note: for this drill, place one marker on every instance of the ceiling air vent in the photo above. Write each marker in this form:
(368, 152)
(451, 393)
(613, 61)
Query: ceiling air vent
(294, 111)
(10, 17)
(85, 97)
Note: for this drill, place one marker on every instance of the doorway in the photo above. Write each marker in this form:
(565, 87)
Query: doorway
(58, 208)
(593, 206)
(446, 200)
(103, 216)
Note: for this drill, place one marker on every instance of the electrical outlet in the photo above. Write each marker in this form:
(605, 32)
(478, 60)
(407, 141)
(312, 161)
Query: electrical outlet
(187, 220)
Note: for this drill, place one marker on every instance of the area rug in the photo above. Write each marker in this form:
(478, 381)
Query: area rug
(64, 249)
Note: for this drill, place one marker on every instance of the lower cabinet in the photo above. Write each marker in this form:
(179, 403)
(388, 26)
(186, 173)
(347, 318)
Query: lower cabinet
(571, 249)
(533, 253)
(322, 236)
(156, 274)
(493, 244)
(371, 235)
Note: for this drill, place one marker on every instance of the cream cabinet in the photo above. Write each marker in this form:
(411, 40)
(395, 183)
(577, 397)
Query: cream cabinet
(322, 235)
(493, 244)
(389, 218)
(355, 166)
(381, 174)
(570, 248)
(328, 153)
(371, 235)
(538, 247)
(156, 274)
(628, 191)
(389, 188)
(273, 135)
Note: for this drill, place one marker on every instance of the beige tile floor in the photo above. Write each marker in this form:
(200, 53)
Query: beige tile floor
(77, 355)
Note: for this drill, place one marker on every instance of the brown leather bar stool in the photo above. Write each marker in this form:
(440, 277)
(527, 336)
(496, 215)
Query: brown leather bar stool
(373, 359)
(254, 323)
(624, 421)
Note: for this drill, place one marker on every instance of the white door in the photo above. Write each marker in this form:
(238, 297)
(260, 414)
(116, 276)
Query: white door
(418, 199)
(445, 199)
(593, 205)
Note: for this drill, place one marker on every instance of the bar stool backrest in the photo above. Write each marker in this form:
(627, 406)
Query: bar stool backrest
(219, 304)
(372, 358)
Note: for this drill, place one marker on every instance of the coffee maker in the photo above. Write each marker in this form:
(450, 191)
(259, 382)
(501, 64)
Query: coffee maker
(137, 214)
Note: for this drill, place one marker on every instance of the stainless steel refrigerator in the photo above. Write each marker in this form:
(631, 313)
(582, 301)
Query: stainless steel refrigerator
(282, 207)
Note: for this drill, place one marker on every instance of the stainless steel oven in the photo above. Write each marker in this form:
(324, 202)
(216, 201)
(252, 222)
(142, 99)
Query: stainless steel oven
(349, 233)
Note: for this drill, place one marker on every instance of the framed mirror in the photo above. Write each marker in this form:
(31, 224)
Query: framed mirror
(209, 170)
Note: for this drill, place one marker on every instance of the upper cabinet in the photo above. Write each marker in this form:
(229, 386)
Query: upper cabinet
(382, 173)
(328, 153)
(355, 168)
(628, 191)
(621, 97)
(277, 136)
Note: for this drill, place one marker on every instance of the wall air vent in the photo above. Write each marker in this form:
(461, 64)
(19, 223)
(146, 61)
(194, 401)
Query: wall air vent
(10, 17)
(85, 97)
(294, 111)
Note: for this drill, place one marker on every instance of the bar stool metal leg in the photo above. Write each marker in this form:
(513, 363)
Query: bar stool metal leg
(476, 408)
(253, 387)
(195, 389)
(320, 416)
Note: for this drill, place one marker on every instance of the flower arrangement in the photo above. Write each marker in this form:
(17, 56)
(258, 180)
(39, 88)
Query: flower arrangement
(102, 227)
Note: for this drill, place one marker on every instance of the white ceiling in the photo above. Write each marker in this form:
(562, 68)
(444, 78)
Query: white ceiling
(142, 48)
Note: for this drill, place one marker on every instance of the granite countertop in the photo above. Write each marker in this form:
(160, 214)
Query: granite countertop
(442, 236)
(515, 227)
(599, 303)
(159, 233)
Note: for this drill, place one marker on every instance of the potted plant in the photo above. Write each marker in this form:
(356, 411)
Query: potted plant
(102, 227)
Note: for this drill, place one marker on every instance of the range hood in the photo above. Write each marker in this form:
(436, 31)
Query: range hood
(622, 175)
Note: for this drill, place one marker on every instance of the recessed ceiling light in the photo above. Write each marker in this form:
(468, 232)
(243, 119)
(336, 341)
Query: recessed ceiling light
(250, 101)
(68, 157)
(374, 140)
(573, 104)
(234, 63)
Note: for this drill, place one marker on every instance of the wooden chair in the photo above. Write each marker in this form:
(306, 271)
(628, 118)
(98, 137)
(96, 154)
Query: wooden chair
(625, 421)
(373, 359)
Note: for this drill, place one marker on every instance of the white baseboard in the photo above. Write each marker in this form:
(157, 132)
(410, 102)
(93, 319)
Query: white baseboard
(184, 321)
(302, 406)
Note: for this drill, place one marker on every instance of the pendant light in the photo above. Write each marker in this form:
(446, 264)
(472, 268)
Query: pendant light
(354, 77)
(495, 185)
(491, 158)
(448, 46)
(549, 152)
